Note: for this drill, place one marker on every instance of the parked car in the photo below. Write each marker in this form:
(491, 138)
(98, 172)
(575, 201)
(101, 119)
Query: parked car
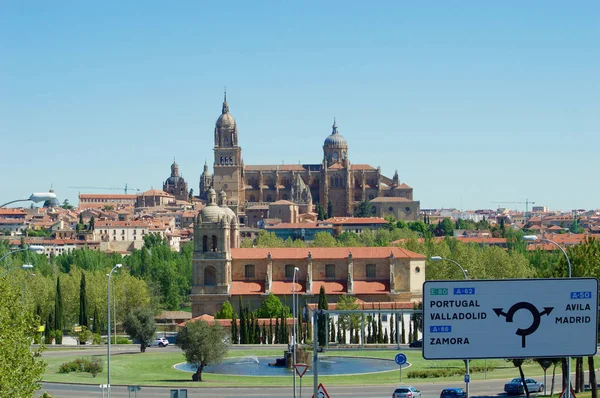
(406, 392)
(417, 343)
(453, 393)
(515, 386)
(160, 342)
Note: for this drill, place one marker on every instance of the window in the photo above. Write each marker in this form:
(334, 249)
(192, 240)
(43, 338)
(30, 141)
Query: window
(205, 243)
(249, 271)
(330, 271)
(371, 271)
(289, 271)
(122, 238)
(210, 276)
(214, 243)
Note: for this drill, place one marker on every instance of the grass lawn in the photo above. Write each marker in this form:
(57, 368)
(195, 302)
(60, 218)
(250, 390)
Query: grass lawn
(155, 368)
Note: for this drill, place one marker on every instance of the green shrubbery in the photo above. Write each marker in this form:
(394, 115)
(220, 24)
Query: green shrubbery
(444, 372)
(123, 340)
(93, 365)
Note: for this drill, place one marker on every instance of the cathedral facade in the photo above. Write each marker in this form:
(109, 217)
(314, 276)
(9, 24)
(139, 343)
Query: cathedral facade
(335, 182)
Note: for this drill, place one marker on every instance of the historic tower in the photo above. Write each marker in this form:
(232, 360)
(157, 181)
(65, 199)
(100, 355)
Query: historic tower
(175, 184)
(205, 182)
(336, 178)
(228, 167)
(213, 240)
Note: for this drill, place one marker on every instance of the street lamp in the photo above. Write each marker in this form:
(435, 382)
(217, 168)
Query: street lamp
(466, 276)
(108, 353)
(534, 238)
(33, 248)
(24, 266)
(36, 198)
(294, 328)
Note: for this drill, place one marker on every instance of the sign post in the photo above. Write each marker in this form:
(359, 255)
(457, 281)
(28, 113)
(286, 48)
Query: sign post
(321, 392)
(300, 371)
(461, 318)
(400, 360)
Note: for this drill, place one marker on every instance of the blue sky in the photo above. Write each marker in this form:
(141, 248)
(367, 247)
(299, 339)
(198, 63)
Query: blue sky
(472, 102)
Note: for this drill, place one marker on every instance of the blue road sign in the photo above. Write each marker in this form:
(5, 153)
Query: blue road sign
(400, 359)
(467, 378)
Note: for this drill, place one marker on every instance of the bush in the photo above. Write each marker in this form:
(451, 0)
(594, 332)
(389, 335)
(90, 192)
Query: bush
(444, 372)
(58, 336)
(93, 365)
(46, 395)
(96, 339)
(123, 340)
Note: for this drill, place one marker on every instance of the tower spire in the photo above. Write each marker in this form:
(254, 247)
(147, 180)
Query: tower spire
(334, 127)
(225, 106)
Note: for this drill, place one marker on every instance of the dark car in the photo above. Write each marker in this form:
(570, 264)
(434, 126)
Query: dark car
(453, 393)
(515, 386)
(416, 344)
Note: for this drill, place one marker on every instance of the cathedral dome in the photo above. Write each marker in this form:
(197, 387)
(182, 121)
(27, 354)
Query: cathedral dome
(223, 205)
(225, 120)
(335, 139)
(211, 212)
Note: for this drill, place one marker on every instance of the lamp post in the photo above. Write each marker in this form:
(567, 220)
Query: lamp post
(23, 287)
(533, 238)
(108, 353)
(294, 329)
(33, 248)
(466, 276)
(24, 266)
(36, 198)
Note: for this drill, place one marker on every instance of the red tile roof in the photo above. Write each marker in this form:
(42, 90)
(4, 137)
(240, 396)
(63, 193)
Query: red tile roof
(12, 212)
(333, 287)
(323, 253)
(371, 287)
(105, 196)
(247, 288)
(283, 287)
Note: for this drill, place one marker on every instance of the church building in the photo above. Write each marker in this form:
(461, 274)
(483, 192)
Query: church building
(335, 183)
(223, 271)
(175, 185)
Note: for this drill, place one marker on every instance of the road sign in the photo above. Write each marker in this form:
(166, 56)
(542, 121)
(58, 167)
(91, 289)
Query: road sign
(321, 392)
(563, 393)
(510, 318)
(301, 369)
(400, 359)
(467, 378)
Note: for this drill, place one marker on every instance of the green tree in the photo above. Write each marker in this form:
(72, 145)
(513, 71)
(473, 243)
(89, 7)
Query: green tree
(444, 228)
(202, 345)
(66, 205)
(234, 328)
(21, 365)
(83, 318)
(92, 224)
(364, 209)
(268, 239)
(322, 305)
(271, 306)
(330, 209)
(140, 325)
(226, 311)
(58, 312)
(324, 239)
(320, 212)
(96, 328)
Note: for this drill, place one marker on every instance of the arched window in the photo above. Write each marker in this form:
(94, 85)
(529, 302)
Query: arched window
(329, 271)
(214, 243)
(230, 160)
(371, 271)
(289, 271)
(205, 243)
(335, 156)
(249, 271)
(226, 160)
(221, 159)
(210, 276)
(252, 198)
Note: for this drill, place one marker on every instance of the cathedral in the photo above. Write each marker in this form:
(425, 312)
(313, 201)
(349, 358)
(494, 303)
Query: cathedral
(335, 182)
(175, 184)
(223, 271)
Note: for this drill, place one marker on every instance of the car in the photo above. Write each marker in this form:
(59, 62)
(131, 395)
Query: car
(416, 344)
(453, 393)
(160, 342)
(406, 392)
(515, 386)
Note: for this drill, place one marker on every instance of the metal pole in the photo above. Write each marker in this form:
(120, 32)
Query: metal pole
(108, 352)
(294, 332)
(115, 312)
(468, 380)
(315, 354)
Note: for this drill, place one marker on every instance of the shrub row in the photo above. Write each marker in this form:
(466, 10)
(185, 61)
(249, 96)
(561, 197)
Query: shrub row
(93, 365)
(444, 372)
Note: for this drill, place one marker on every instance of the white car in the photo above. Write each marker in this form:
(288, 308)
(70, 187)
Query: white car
(160, 342)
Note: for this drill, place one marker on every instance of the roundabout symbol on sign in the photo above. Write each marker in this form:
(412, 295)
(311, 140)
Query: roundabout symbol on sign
(537, 315)
(400, 359)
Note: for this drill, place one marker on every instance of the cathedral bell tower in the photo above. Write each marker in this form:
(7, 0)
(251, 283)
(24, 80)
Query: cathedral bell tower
(228, 158)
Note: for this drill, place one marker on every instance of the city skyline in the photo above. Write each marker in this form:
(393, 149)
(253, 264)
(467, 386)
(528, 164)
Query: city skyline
(473, 105)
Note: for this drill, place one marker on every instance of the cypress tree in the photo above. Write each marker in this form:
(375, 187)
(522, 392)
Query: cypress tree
(392, 325)
(58, 312)
(270, 330)
(48, 329)
(277, 331)
(379, 328)
(369, 340)
(385, 337)
(309, 329)
(374, 326)
(321, 319)
(264, 334)
(83, 317)
(410, 330)
(234, 328)
(256, 330)
(402, 332)
(330, 209)
(300, 332)
(242, 325)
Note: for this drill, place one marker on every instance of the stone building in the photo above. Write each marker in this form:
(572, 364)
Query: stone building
(224, 271)
(175, 185)
(334, 180)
